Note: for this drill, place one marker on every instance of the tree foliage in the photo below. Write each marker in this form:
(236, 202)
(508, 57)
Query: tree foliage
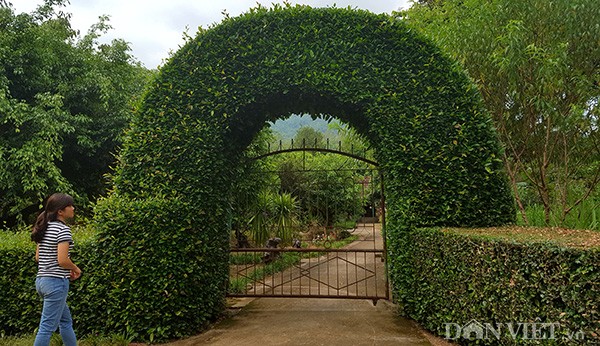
(65, 100)
(537, 64)
(327, 186)
(308, 137)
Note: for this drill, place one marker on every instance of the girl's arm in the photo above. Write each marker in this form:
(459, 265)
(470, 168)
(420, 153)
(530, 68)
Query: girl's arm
(37, 252)
(65, 262)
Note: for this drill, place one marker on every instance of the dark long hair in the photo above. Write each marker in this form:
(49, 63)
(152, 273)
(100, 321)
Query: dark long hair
(54, 203)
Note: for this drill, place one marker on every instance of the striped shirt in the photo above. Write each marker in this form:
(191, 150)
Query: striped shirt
(56, 232)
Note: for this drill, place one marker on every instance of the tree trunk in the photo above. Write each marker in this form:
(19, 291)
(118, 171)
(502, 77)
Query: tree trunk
(512, 174)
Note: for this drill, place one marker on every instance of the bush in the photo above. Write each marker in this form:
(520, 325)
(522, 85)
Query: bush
(20, 305)
(155, 274)
(456, 278)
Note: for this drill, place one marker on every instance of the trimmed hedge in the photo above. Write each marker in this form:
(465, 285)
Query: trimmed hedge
(159, 268)
(20, 305)
(133, 281)
(157, 273)
(456, 278)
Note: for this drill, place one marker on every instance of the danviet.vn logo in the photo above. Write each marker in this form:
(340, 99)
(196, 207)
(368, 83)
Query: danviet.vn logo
(475, 330)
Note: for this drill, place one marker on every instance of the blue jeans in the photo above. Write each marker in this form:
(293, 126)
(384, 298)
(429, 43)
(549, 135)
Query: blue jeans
(55, 313)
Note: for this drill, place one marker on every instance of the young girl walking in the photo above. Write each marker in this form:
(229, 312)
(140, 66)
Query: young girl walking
(55, 268)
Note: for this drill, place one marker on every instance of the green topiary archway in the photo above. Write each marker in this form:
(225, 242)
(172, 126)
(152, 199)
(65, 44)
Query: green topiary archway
(166, 216)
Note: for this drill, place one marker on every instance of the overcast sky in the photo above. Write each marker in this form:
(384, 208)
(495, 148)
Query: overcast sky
(153, 28)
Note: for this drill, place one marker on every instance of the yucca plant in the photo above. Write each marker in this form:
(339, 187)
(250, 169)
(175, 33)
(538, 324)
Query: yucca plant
(260, 220)
(274, 215)
(285, 212)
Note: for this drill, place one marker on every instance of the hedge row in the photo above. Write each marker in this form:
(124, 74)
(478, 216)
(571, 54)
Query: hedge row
(454, 279)
(154, 274)
(20, 305)
(133, 282)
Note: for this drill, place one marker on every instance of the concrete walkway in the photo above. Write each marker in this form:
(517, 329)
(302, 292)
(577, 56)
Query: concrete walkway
(310, 321)
(302, 321)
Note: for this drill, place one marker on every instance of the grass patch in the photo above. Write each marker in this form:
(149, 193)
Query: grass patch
(245, 258)
(286, 260)
(584, 216)
(586, 239)
(20, 341)
(348, 224)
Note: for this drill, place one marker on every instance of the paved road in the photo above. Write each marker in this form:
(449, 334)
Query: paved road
(309, 321)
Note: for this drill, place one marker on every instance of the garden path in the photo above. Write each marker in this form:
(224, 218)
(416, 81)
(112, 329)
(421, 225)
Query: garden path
(304, 321)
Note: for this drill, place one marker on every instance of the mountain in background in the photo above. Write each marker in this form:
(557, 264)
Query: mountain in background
(286, 129)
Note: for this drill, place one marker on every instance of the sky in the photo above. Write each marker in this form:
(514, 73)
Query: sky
(154, 28)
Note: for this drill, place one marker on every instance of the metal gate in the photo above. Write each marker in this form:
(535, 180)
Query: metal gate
(352, 272)
(314, 268)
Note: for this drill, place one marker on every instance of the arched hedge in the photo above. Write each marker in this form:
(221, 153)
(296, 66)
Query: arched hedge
(162, 257)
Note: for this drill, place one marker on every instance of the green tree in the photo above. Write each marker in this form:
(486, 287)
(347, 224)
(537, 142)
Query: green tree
(326, 185)
(536, 63)
(308, 137)
(30, 145)
(104, 85)
(65, 102)
(350, 140)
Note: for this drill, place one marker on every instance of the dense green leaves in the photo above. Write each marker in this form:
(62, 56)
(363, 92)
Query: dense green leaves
(536, 65)
(419, 111)
(30, 145)
(457, 278)
(64, 102)
(148, 278)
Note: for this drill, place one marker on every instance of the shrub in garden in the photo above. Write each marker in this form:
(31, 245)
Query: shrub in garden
(459, 278)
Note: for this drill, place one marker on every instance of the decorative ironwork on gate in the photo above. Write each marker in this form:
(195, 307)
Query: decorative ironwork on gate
(311, 268)
(357, 272)
(326, 146)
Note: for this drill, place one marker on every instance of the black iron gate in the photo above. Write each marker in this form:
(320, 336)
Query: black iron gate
(312, 266)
